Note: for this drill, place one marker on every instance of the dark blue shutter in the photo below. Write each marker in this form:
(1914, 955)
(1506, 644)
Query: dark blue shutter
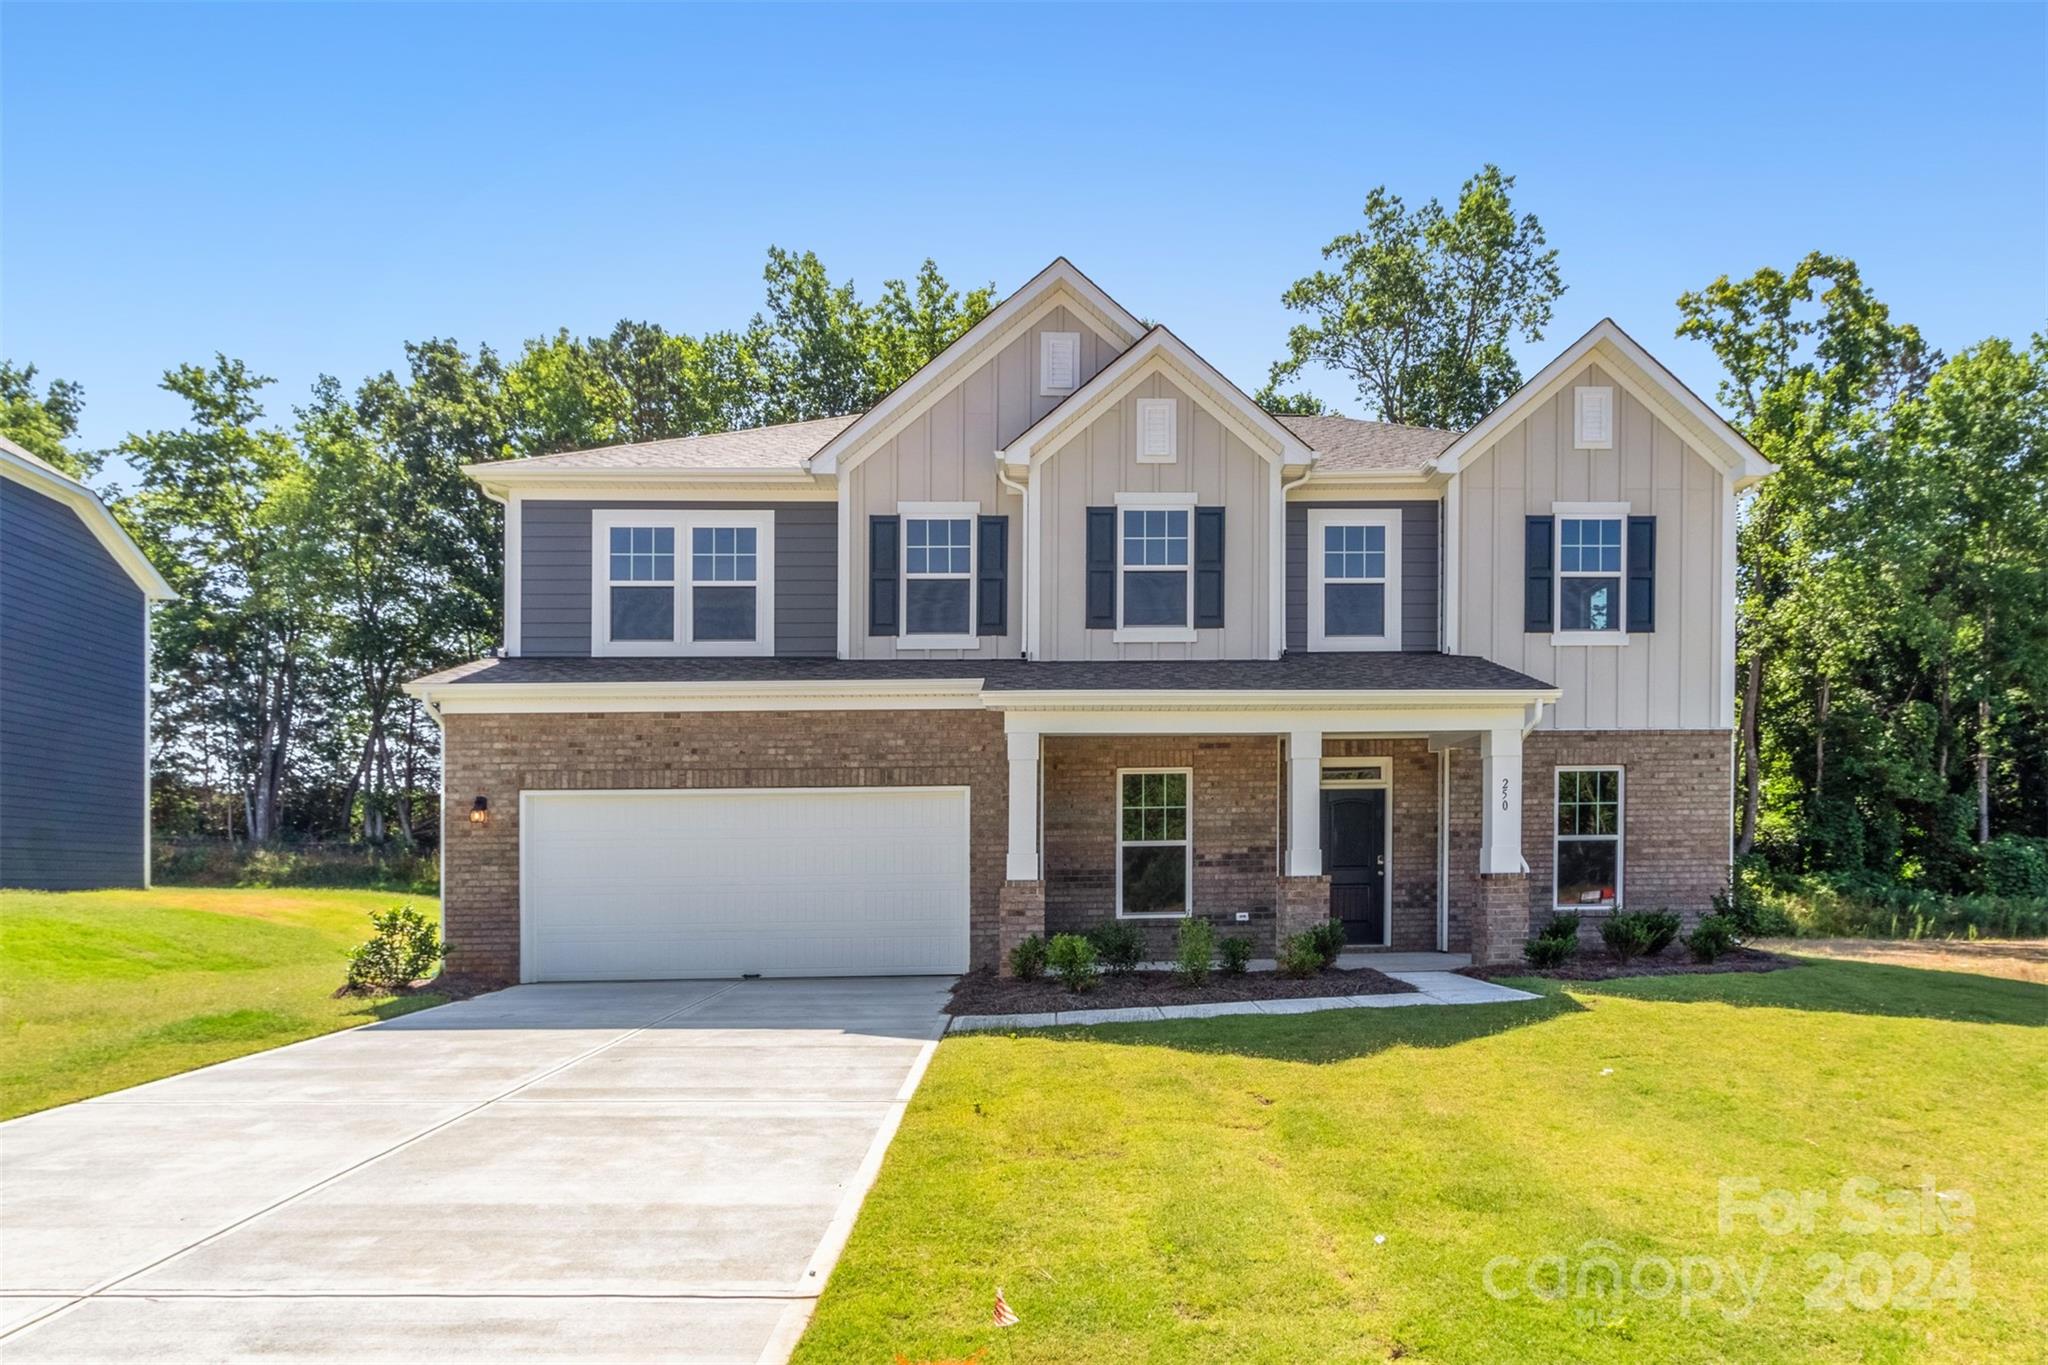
(992, 577)
(1102, 568)
(1536, 572)
(883, 534)
(1209, 566)
(1642, 574)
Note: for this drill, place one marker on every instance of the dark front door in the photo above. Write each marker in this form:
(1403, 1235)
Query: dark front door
(1355, 857)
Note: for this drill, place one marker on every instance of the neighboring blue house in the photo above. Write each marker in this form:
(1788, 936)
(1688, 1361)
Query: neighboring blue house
(75, 595)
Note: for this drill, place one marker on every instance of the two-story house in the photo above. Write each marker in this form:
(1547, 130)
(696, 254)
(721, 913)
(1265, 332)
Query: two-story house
(1067, 629)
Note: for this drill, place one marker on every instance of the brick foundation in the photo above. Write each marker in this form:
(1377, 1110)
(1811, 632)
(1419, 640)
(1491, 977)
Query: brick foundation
(1300, 903)
(1501, 921)
(1020, 914)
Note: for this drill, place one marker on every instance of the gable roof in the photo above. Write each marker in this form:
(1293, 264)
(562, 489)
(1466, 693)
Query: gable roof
(1161, 349)
(1636, 370)
(749, 451)
(907, 399)
(1352, 445)
(45, 478)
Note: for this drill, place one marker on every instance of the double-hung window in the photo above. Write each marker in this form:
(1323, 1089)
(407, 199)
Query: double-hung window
(1155, 584)
(1588, 847)
(1354, 579)
(1154, 853)
(682, 582)
(938, 575)
(1592, 564)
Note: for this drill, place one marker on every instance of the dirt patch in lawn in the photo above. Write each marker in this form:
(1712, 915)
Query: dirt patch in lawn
(1606, 967)
(984, 992)
(2014, 959)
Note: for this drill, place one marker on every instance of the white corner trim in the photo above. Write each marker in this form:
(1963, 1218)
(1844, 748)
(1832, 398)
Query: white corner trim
(1726, 600)
(515, 569)
(1389, 519)
(1449, 543)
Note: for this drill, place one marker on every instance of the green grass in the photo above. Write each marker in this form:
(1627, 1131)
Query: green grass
(1213, 1190)
(105, 989)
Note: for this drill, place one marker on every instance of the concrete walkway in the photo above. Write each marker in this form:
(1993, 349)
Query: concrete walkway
(632, 1171)
(1431, 988)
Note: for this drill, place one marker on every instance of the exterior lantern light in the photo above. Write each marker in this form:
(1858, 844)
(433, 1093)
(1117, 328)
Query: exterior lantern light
(480, 813)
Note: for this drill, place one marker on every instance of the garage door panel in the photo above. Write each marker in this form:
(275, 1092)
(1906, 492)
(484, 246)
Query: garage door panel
(830, 881)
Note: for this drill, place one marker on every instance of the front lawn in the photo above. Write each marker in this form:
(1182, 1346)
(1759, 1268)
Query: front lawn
(105, 989)
(1217, 1190)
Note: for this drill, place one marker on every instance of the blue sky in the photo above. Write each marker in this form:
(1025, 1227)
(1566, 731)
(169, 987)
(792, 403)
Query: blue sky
(308, 187)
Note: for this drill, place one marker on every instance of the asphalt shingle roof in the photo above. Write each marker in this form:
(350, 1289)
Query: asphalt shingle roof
(1349, 444)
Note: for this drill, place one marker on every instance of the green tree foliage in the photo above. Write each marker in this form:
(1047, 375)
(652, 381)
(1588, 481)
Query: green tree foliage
(1419, 308)
(44, 423)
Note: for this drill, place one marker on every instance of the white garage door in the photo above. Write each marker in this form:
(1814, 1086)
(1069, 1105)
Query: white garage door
(819, 882)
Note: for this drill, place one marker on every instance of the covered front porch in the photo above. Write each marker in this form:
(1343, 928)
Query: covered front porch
(1398, 817)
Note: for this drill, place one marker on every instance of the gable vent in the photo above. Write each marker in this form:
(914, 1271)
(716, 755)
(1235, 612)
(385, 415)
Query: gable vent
(1594, 427)
(1156, 430)
(1059, 362)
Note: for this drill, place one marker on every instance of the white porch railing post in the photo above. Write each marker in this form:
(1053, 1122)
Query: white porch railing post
(1022, 863)
(1305, 803)
(1500, 830)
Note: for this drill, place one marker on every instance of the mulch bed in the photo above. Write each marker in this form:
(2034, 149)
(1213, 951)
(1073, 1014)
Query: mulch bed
(984, 992)
(1603, 966)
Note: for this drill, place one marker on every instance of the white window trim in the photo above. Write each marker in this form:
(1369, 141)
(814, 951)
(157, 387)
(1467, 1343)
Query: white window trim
(683, 522)
(1320, 518)
(1045, 344)
(1610, 511)
(1172, 407)
(1183, 634)
(1579, 397)
(907, 512)
(1620, 833)
(1187, 845)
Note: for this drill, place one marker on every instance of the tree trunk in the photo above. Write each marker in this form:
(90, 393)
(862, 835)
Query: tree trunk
(1820, 742)
(1745, 838)
(1983, 772)
(1947, 705)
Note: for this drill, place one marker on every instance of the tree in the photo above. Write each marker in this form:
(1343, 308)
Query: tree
(1422, 305)
(43, 423)
(1290, 404)
(906, 329)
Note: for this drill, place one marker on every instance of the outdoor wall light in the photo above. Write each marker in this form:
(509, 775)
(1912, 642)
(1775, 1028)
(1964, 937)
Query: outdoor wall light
(480, 813)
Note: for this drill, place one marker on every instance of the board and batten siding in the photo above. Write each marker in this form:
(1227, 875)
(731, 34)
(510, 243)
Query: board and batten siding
(947, 454)
(555, 567)
(72, 703)
(1669, 679)
(1419, 560)
(1100, 461)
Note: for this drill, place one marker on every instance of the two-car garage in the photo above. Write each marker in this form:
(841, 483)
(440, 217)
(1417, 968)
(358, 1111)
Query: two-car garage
(826, 881)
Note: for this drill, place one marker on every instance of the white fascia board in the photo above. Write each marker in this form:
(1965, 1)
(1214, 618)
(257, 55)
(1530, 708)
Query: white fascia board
(1425, 482)
(30, 472)
(1030, 301)
(1265, 698)
(1160, 350)
(854, 695)
(502, 478)
(1637, 371)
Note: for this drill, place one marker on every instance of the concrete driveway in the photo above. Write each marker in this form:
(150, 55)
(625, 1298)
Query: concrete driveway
(629, 1171)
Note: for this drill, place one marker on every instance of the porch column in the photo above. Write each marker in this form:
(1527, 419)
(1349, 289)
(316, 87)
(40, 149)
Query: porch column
(1305, 803)
(1022, 865)
(1500, 829)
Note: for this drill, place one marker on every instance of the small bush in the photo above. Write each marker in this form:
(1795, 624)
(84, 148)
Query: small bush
(404, 948)
(1711, 938)
(2016, 866)
(1627, 936)
(1329, 940)
(1300, 956)
(1194, 951)
(1236, 954)
(1072, 959)
(1550, 950)
(1027, 959)
(1563, 924)
(1118, 946)
(1664, 927)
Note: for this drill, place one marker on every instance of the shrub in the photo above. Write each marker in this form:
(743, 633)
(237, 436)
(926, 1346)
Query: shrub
(1713, 936)
(216, 862)
(1550, 950)
(1118, 946)
(1300, 956)
(1563, 924)
(1236, 954)
(2016, 866)
(404, 948)
(1027, 959)
(1329, 940)
(1628, 935)
(1072, 959)
(1664, 927)
(1194, 950)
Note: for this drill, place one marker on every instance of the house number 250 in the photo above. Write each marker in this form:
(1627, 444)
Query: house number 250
(1503, 793)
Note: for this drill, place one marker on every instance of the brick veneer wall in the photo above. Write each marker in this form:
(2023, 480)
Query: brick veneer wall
(1235, 801)
(1500, 920)
(500, 756)
(1676, 819)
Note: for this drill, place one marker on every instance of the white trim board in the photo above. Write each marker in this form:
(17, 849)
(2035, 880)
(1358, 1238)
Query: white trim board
(33, 473)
